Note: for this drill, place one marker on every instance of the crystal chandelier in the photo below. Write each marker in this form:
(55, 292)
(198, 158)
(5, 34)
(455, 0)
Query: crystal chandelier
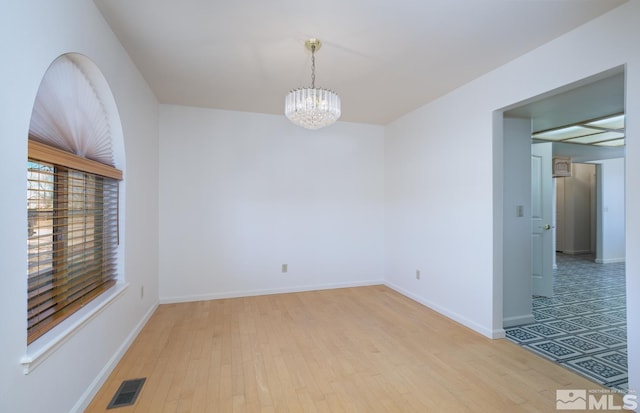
(311, 107)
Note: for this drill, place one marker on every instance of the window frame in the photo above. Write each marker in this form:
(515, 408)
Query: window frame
(61, 160)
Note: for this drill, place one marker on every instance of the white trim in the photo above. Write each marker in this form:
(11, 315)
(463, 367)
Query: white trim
(576, 252)
(102, 377)
(518, 320)
(250, 293)
(496, 333)
(609, 260)
(43, 347)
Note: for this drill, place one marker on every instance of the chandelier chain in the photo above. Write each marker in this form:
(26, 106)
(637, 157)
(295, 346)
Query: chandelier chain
(313, 67)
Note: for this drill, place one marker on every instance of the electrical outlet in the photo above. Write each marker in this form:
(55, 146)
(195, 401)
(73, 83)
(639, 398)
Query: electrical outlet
(285, 267)
(417, 274)
(141, 292)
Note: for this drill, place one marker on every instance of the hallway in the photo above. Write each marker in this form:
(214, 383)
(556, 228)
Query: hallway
(583, 326)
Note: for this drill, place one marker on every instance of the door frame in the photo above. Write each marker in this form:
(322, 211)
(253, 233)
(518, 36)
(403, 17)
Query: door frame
(499, 209)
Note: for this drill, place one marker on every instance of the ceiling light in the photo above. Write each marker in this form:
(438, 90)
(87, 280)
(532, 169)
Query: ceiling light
(607, 131)
(564, 133)
(615, 142)
(311, 107)
(596, 138)
(612, 122)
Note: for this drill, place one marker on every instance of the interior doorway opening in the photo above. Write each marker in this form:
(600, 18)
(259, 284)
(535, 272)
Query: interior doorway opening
(587, 229)
(576, 211)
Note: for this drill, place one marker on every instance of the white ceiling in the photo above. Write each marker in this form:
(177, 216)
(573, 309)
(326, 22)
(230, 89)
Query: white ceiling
(384, 58)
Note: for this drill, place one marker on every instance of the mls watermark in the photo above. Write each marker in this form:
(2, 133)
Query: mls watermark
(595, 399)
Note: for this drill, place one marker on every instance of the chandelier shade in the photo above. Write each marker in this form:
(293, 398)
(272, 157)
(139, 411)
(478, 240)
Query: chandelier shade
(311, 107)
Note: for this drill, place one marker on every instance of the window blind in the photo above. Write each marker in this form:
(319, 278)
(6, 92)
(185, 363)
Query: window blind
(72, 239)
(68, 113)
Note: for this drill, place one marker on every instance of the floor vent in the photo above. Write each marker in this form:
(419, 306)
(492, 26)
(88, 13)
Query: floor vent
(127, 393)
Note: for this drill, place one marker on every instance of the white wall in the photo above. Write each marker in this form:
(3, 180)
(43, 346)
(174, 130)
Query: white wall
(32, 34)
(444, 184)
(517, 228)
(612, 247)
(243, 193)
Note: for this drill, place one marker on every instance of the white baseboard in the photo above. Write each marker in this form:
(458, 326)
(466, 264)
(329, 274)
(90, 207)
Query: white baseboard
(494, 333)
(250, 293)
(609, 260)
(498, 333)
(518, 320)
(102, 377)
(577, 252)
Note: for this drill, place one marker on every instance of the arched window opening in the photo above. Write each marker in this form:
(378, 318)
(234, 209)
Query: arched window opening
(72, 198)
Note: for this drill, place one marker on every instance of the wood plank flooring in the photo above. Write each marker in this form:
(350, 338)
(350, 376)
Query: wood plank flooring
(365, 349)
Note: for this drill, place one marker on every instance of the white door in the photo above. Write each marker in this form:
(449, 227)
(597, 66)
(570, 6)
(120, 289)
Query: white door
(541, 219)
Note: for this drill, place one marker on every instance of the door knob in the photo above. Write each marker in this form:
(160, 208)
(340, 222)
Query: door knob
(547, 227)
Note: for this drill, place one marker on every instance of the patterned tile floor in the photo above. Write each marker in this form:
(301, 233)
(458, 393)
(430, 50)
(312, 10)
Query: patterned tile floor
(583, 326)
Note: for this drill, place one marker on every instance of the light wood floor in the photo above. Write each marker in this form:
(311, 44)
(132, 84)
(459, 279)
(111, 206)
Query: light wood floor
(366, 349)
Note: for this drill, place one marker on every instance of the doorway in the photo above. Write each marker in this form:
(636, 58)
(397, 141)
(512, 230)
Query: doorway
(523, 314)
(576, 207)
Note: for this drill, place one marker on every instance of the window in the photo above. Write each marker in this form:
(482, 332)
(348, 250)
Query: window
(72, 189)
(72, 206)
